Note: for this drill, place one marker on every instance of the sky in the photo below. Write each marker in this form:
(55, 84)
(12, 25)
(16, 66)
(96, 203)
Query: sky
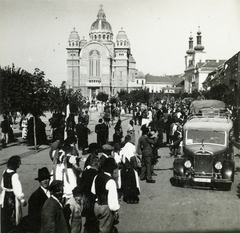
(34, 33)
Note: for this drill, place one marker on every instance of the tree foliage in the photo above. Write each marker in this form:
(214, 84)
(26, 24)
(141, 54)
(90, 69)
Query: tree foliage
(102, 96)
(24, 92)
(141, 96)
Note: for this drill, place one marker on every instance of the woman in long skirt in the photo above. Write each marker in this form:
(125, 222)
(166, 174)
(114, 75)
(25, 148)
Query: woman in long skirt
(129, 176)
(11, 196)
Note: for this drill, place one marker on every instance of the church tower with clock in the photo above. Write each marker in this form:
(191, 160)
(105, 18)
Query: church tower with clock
(100, 64)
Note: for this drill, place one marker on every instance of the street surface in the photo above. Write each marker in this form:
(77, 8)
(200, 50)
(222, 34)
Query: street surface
(162, 207)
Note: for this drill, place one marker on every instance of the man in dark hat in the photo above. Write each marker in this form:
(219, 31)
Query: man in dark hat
(106, 152)
(52, 215)
(144, 148)
(32, 222)
(38, 198)
(105, 189)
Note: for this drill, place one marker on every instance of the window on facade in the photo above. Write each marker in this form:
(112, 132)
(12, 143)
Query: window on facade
(137, 81)
(142, 82)
(95, 37)
(132, 77)
(104, 37)
(99, 37)
(108, 37)
(72, 43)
(94, 63)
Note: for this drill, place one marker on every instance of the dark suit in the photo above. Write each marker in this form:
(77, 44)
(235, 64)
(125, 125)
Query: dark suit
(35, 204)
(52, 218)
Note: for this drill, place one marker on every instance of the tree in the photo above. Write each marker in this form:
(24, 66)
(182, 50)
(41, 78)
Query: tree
(102, 96)
(141, 96)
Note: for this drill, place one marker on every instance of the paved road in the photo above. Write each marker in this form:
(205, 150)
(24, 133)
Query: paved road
(163, 207)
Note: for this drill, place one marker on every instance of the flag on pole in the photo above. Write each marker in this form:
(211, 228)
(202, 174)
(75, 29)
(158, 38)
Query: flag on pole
(67, 115)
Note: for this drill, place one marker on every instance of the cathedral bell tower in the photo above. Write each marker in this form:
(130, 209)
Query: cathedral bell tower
(73, 62)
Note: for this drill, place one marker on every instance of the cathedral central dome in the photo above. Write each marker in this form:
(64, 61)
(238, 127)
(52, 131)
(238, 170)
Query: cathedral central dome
(101, 23)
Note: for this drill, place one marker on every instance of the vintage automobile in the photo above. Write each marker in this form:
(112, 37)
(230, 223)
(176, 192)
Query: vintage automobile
(207, 158)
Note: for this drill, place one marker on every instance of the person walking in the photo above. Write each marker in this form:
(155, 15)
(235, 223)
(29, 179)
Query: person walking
(118, 134)
(82, 132)
(131, 131)
(5, 126)
(145, 149)
(129, 176)
(100, 133)
(106, 205)
(12, 196)
(73, 210)
(52, 216)
(90, 171)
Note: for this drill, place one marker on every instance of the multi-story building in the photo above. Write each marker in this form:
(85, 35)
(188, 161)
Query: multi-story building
(228, 74)
(100, 64)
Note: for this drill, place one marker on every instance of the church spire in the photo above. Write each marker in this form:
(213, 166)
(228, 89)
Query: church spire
(190, 49)
(199, 46)
(101, 13)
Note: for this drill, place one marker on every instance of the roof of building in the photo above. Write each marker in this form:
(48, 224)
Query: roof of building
(131, 59)
(166, 79)
(210, 65)
(74, 35)
(140, 75)
(101, 23)
(121, 35)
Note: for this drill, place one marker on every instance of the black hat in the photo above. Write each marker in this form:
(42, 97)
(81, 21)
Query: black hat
(93, 147)
(109, 164)
(43, 174)
(56, 186)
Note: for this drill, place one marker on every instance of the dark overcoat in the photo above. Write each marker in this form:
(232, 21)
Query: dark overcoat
(52, 218)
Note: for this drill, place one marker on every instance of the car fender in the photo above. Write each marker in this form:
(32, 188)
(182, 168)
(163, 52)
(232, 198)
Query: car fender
(228, 169)
(178, 166)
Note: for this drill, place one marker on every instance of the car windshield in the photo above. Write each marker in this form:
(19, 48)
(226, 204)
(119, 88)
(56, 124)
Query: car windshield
(207, 137)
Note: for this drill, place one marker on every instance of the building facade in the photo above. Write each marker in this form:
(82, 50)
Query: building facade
(197, 66)
(100, 64)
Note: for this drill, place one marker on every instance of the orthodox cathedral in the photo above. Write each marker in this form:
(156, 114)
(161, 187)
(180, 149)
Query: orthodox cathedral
(100, 64)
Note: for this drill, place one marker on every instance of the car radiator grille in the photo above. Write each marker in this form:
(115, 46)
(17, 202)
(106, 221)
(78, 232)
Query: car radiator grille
(203, 164)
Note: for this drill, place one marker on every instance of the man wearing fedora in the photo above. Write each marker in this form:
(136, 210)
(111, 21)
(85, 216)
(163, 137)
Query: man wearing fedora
(38, 198)
(32, 222)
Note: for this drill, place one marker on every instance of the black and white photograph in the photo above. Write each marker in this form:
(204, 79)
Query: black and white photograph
(120, 116)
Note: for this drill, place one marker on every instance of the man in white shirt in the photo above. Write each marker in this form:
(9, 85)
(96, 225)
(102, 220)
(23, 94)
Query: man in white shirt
(105, 189)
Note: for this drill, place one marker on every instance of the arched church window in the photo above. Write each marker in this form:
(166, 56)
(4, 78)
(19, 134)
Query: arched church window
(95, 37)
(72, 43)
(121, 43)
(125, 43)
(69, 43)
(108, 37)
(94, 63)
(99, 37)
(104, 37)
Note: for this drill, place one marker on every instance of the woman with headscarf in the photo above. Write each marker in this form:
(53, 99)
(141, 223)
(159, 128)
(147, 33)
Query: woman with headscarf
(12, 196)
(131, 131)
(129, 176)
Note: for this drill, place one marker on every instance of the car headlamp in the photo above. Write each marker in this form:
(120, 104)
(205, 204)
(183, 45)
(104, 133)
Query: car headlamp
(188, 164)
(218, 165)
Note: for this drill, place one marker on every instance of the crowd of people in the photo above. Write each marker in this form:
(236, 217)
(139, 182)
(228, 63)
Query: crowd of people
(112, 170)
